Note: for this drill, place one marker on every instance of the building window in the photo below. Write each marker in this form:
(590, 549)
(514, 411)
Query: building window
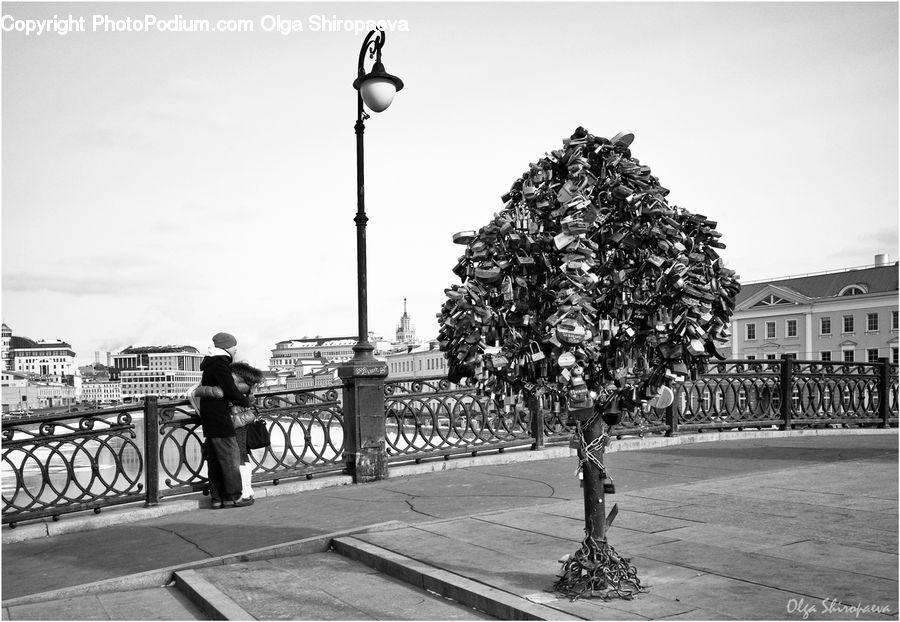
(751, 332)
(849, 356)
(894, 356)
(872, 355)
(848, 323)
(770, 330)
(871, 321)
(790, 355)
(751, 357)
(770, 357)
(853, 290)
(791, 328)
(894, 320)
(825, 356)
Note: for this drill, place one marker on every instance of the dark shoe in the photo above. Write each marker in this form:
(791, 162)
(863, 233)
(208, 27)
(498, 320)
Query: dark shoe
(240, 503)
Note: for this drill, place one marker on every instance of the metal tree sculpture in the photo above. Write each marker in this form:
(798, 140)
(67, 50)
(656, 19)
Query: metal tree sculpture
(590, 290)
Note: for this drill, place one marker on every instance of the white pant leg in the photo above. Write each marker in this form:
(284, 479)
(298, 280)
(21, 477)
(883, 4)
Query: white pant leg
(246, 483)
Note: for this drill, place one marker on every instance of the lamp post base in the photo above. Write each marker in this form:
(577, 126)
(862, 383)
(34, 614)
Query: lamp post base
(364, 419)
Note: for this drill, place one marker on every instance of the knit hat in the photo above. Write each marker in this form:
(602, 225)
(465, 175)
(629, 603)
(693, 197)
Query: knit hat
(224, 341)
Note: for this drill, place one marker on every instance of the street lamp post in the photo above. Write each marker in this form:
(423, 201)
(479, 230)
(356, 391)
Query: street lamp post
(364, 375)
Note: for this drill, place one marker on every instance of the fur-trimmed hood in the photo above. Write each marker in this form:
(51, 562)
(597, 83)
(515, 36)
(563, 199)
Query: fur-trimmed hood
(246, 372)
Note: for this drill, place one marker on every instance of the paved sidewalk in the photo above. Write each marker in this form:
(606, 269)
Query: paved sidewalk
(797, 515)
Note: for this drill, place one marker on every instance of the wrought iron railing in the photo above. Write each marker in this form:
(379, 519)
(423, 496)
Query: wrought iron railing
(785, 393)
(68, 462)
(65, 463)
(432, 417)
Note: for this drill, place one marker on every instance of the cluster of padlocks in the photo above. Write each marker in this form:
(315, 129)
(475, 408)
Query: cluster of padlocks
(588, 286)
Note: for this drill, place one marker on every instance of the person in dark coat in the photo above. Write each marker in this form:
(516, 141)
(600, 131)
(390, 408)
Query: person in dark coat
(222, 454)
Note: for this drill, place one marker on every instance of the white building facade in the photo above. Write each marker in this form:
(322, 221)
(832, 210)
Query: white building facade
(53, 359)
(167, 371)
(289, 354)
(422, 361)
(848, 315)
(6, 353)
(26, 392)
(101, 391)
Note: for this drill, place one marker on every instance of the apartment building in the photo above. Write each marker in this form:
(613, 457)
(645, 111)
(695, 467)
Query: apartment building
(167, 371)
(841, 315)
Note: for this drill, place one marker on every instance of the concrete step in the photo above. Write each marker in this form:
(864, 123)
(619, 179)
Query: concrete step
(160, 603)
(475, 593)
(318, 586)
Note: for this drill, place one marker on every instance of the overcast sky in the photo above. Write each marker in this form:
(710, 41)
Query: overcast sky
(159, 187)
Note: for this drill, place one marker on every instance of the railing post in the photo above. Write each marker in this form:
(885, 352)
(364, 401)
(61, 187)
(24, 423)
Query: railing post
(537, 421)
(884, 392)
(364, 420)
(787, 394)
(151, 449)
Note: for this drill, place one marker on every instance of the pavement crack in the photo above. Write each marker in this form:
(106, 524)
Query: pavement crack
(492, 496)
(192, 543)
(409, 502)
(524, 479)
(400, 492)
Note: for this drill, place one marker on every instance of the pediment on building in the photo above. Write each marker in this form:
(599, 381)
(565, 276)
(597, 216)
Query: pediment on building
(848, 342)
(774, 296)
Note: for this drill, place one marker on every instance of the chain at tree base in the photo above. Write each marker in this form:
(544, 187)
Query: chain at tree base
(596, 570)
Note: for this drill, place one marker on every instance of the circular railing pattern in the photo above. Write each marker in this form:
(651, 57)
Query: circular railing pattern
(308, 436)
(434, 417)
(180, 447)
(65, 462)
(305, 427)
(845, 391)
(730, 394)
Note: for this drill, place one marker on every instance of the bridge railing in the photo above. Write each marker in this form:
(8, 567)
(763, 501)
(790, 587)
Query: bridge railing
(432, 417)
(69, 463)
(64, 463)
(95, 459)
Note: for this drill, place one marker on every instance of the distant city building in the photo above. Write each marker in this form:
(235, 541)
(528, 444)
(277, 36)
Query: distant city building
(289, 354)
(51, 359)
(95, 371)
(157, 370)
(7, 348)
(417, 362)
(405, 332)
(316, 379)
(24, 391)
(270, 379)
(845, 315)
(101, 391)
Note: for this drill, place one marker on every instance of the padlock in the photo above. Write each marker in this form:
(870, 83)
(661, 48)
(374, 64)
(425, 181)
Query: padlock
(611, 414)
(507, 289)
(463, 237)
(663, 398)
(609, 488)
(570, 331)
(696, 347)
(566, 359)
(535, 351)
(488, 274)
